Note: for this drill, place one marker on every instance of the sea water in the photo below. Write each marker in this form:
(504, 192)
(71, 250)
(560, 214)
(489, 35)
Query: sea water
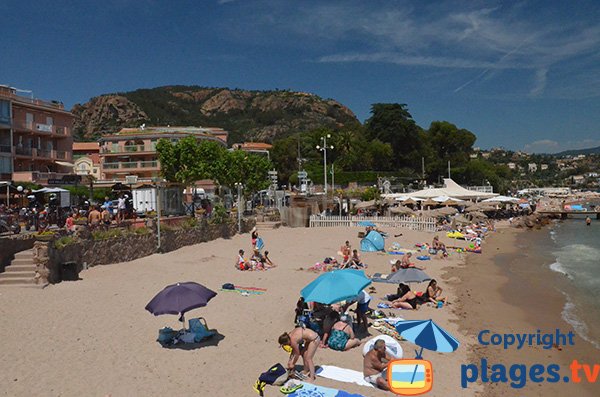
(576, 251)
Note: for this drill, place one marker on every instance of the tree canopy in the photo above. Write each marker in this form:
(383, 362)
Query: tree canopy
(189, 160)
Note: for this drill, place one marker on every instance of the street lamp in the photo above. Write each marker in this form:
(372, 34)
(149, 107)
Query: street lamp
(323, 149)
(239, 205)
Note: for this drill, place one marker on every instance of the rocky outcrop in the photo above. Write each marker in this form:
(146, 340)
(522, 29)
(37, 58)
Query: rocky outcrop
(247, 115)
(106, 113)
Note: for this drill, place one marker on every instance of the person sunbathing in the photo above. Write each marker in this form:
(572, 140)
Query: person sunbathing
(267, 263)
(405, 263)
(375, 365)
(355, 262)
(342, 337)
(242, 263)
(438, 246)
(408, 301)
(433, 293)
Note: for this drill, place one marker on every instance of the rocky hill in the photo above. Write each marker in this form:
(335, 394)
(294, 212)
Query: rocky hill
(247, 115)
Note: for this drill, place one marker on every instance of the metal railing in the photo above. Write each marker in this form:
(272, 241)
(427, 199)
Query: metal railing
(5, 149)
(408, 222)
(128, 148)
(131, 165)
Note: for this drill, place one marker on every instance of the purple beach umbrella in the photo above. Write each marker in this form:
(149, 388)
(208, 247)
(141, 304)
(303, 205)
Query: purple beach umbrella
(180, 298)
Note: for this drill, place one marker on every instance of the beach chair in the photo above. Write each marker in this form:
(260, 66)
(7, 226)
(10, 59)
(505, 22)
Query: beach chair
(199, 327)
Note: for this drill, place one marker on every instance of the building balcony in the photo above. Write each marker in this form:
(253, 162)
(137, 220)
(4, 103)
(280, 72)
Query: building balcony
(150, 148)
(5, 149)
(35, 153)
(42, 129)
(37, 176)
(130, 166)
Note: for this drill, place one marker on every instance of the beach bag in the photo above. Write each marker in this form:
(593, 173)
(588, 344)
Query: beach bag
(277, 375)
(228, 286)
(166, 336)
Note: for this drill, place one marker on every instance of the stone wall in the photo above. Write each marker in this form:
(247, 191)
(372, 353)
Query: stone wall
(10, 245)
(85, 253)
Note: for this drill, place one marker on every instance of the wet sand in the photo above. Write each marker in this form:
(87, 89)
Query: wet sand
(509, 289)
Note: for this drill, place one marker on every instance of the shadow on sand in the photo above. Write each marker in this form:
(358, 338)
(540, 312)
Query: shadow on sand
(212, 341)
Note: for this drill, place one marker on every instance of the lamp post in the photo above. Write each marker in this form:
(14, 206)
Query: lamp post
(239, 205)
(323, 149)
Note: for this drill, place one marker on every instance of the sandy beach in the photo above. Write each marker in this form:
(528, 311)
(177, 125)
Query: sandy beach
(93, 336)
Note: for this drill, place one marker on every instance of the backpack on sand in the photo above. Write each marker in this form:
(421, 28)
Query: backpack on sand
(276, 375)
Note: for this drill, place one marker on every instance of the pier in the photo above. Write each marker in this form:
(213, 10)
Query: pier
(565, 214)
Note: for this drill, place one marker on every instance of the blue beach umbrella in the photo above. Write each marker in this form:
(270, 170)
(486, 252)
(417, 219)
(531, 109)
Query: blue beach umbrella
(335, 286)
(366, 223)
(428, 335)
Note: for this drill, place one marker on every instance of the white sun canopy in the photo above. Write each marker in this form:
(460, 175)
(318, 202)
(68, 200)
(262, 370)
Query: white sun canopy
(451, 189)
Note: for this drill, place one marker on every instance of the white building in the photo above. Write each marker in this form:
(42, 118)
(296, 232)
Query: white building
(532, 167)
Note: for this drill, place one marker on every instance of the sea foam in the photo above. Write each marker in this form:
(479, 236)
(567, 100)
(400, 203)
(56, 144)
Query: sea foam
(570, 316)
(559, 268)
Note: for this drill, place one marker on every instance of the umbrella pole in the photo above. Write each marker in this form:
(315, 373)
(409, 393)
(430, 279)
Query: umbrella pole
(419, 355)
(183, 317)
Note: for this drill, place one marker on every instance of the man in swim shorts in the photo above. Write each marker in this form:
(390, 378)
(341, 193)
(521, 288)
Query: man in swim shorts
(375, 365)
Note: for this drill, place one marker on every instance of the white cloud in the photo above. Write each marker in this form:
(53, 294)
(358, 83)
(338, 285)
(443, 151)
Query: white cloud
(497, 38)
(541, 76)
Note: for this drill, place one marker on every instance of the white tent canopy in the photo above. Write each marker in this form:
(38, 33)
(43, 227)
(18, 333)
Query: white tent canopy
(451, 189)
(50, 190)
(502, 199)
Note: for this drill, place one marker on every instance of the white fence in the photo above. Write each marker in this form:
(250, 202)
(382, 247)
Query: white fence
(408, 222)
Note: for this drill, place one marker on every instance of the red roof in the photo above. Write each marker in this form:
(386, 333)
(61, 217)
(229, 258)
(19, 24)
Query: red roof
(86, 146)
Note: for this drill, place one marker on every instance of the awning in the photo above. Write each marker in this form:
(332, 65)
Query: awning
(65, 163)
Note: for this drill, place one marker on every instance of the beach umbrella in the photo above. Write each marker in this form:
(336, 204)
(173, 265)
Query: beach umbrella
(409, 201)
(478, 214)
(180, 298)
(366, 224)
(427, 335)
(409, 275)
(429, 203)
(366, 204)
(401, 210)
(335, 286)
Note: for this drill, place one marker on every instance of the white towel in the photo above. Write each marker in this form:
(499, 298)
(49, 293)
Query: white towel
(393, 320)
(343, 375)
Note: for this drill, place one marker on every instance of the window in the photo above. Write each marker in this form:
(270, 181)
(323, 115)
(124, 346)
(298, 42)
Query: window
(4, 112)
(5, 165)
(29, 120)
(49, 120)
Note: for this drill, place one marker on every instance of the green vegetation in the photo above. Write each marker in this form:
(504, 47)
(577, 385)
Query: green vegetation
(98, 235)
(219, 215)
(190, 160)
(64, 241)
(189, 223)
(142, 231)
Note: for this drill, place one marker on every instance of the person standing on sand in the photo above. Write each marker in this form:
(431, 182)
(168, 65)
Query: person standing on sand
(375, 364)
(588, 221)
(254, 236)
(301, 342)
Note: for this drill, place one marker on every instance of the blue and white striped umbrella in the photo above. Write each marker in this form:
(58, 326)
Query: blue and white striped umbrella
(428, 335)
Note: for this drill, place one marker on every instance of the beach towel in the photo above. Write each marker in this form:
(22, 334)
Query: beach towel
(342, 375)
(393, 320)
(310, 390)
(245, 290)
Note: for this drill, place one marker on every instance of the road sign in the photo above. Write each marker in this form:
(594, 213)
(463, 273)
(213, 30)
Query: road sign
(302, 174)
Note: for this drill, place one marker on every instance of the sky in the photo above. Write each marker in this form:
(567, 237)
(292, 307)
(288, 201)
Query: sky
(520, 75)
